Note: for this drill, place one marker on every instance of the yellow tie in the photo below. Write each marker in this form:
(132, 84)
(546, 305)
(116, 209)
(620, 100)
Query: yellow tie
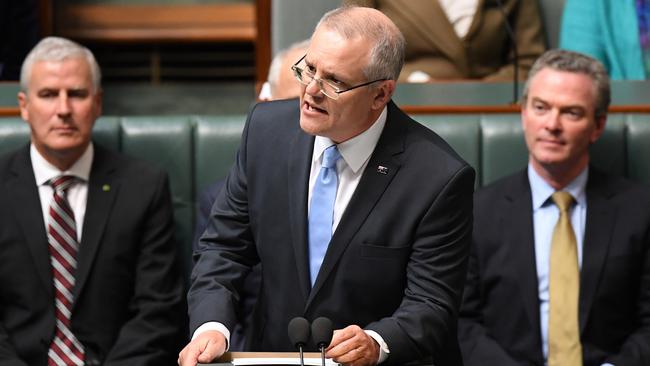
(564, 287)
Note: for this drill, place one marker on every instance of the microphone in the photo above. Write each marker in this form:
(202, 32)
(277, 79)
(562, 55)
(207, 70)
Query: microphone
(515, 61)
(321, 332)
(298, 330)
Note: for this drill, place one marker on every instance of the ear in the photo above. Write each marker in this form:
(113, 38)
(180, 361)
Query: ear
(22, 103)
(600, 128)
(97, 101)
(383, 93)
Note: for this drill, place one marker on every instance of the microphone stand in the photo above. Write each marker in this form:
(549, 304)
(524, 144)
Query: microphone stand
(302, 356)
(322, 355)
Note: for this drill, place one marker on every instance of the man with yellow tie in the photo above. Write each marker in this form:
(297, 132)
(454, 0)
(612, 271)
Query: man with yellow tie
(559, 270)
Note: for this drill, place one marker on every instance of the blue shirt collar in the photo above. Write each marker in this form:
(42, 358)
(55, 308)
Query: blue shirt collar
(541, 191)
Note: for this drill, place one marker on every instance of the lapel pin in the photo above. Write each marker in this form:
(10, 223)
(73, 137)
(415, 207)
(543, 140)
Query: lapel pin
(382, 169)
(106, 188)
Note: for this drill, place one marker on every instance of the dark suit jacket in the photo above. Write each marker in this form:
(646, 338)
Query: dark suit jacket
(499, 322)
(395, 264)
(251, 283)
(485, 52)
(128, 295)
(205, 201)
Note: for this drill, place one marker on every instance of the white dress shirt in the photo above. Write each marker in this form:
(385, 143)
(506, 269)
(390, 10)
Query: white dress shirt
(460, 14)
(77, 194)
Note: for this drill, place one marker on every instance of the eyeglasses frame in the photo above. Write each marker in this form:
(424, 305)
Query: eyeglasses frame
(320, 82)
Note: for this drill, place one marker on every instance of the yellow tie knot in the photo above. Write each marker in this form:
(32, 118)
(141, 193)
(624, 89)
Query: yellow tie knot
(563, 200)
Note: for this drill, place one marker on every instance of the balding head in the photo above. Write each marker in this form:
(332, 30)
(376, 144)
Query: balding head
(387, 55)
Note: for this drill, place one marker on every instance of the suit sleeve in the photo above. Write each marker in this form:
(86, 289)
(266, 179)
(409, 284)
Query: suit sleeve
(225, 252)
(527, 25)
(636, 348)
(425, 321)
(206, 200)
(475, 342)
(152, 335)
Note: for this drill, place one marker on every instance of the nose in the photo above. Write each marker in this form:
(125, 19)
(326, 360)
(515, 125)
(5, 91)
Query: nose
(313, 88)
(63, 105)
(553, 122)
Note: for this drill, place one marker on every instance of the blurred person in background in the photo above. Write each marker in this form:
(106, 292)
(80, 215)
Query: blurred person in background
(464, 39)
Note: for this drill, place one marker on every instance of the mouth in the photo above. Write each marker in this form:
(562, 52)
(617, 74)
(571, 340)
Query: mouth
(64, 129)
(552, 142)
(310, 108)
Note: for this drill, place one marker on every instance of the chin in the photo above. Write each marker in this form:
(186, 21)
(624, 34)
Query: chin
(311, 127)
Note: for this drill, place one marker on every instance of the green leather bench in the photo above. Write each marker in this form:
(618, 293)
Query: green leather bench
(197, 150)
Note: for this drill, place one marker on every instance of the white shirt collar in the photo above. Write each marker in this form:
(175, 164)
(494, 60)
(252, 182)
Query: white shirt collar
(44, 171)
(358, 149)
(541, 191)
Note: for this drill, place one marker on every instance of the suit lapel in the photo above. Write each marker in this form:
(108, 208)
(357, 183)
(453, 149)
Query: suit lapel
(300, 155)
(102, 190)
(26, 205)
(601, 218)
(517, 224)
(371, 187)
(477, 21)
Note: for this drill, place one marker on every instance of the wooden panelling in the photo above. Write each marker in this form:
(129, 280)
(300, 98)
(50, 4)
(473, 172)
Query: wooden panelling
(228, 22)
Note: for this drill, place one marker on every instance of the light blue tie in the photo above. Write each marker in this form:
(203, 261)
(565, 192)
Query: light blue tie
(321, 214)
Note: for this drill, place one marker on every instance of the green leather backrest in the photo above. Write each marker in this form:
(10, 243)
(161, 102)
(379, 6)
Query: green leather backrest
(216, 139)
(608, 153)
(503, 149)
(462, 132)
(638, 147)
(198, 150)
(167, 143)
(14, 132)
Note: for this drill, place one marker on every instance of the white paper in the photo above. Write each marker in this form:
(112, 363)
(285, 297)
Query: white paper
(281, 361)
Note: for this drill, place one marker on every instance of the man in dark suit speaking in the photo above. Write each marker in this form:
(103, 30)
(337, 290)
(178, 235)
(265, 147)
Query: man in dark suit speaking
(559, 270)
(355, 211)
(89, 273)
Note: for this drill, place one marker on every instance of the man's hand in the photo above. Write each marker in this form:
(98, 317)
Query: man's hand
(204, 349)
(351, 346)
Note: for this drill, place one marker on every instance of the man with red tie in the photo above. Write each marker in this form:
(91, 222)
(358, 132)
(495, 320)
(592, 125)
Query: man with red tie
(89, 273)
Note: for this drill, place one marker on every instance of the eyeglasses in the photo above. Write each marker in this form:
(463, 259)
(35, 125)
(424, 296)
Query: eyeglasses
(327, 87)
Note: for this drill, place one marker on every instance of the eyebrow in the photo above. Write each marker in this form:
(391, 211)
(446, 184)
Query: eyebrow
(563, 107)
(325, 74)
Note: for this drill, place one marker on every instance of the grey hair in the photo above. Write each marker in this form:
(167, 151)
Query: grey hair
(569, 61)
(56, 49)
(387, 55)
(276, 64)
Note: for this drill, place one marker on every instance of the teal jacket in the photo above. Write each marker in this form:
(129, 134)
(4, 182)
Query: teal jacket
(607, 30)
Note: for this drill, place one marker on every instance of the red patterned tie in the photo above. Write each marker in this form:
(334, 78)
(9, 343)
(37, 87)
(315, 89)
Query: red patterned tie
(62, 237)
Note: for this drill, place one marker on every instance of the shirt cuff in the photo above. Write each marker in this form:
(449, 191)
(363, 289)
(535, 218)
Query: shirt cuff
(384, 352)
(214, 326)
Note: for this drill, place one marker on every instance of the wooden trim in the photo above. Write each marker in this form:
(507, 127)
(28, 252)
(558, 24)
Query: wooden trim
(262, 43)
(415, 110)
(231, 22)
(630, 109)
(46, 17)
(455, 109)
(501, 109)
(9, 111)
